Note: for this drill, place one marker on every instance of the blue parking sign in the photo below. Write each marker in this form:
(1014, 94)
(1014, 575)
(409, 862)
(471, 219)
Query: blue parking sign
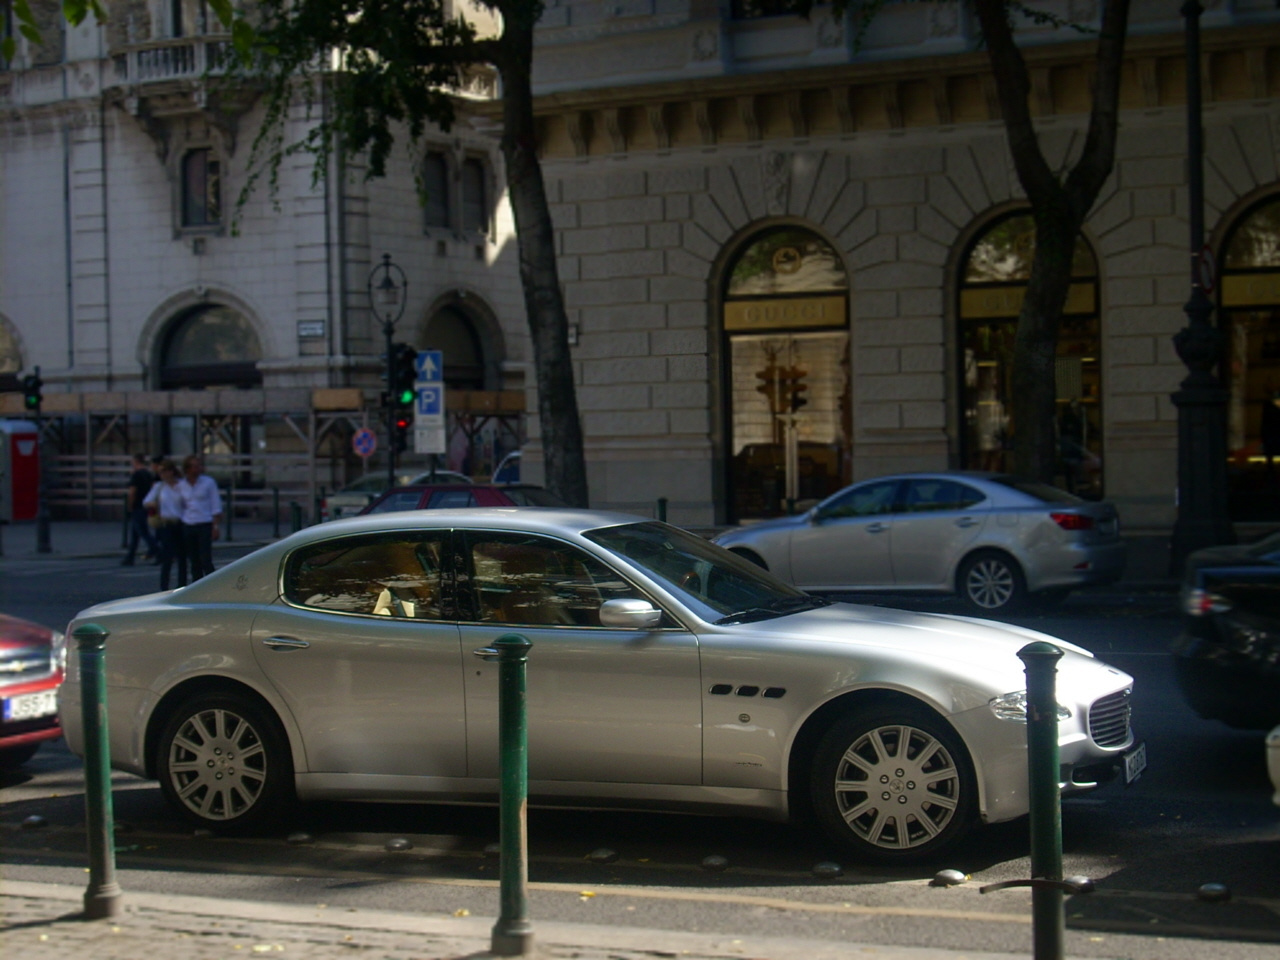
(429, 400)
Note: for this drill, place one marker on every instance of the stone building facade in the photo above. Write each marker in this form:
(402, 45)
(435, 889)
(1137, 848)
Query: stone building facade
(703, 156)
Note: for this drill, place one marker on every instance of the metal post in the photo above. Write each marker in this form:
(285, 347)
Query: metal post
(295, 516)
(1201, 400)
(102, 897)
(1041, 662)
(662, 509)
(512, 933)
(275, 512)
(42, 486)
(124, 531)
(231, 509)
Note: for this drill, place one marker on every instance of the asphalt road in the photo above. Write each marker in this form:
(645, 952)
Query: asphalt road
(1200, 814)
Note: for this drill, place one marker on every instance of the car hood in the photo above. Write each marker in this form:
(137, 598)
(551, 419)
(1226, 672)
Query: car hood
(979, 650)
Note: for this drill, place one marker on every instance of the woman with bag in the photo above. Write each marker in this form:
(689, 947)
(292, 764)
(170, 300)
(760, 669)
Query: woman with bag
(164, 509)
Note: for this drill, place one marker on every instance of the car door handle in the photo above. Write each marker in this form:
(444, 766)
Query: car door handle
(966, 522)
(285, 643)
(877, 527)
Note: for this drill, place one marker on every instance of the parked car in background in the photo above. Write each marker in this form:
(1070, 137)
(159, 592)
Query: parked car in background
(991, 538)
(442, 496)
(32, 658)
(354, 497)
(665, 673)
(508, 469)
(1227, 656)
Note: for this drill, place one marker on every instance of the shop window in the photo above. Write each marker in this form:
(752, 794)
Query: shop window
(993, 285)
(201, 189)
(210, 346)
(1250, 319)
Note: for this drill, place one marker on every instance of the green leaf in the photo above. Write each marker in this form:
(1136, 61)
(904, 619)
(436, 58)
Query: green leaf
(8, 48)
(242, 36)
(223, 10)
(31, 33)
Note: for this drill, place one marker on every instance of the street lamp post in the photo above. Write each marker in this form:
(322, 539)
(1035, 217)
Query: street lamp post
(1201, 400)
(387, 286)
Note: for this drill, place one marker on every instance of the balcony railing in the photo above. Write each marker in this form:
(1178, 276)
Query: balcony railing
(178, 59)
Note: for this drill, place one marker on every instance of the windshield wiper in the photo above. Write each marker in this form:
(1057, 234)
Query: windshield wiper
(776, 608)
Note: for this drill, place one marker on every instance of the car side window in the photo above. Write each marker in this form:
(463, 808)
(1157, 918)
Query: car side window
(444, 499)
(521, 580)
(866, 500)
(928, 495)
(397, 500)
(391, 576)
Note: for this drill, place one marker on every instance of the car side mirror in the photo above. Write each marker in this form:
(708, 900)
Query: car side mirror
(630, 614)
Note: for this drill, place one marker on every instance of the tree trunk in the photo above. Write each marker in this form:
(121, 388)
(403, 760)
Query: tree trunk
(559, 425)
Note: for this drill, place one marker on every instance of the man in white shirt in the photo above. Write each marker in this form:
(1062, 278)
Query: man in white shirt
(201, 515)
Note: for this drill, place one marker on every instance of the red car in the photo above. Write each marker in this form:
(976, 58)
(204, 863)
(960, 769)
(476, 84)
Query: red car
(442, 495)
(32, 658)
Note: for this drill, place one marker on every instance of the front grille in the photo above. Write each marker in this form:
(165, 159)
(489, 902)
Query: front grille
(1109, 720)
(25, 663)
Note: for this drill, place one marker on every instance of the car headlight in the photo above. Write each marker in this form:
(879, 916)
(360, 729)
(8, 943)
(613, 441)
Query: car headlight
(58, 655)
(1013, 707)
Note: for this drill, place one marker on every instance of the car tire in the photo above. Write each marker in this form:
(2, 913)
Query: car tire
(13, 757)
(893, 784)
(224, 762)
(991, 582)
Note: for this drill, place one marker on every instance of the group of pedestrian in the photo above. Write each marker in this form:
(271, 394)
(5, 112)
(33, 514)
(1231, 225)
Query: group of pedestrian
(177, 514)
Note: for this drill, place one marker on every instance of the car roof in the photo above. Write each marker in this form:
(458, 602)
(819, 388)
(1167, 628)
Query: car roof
(557, 520)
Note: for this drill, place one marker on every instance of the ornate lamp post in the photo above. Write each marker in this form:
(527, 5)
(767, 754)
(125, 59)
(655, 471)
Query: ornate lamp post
(387, 286)
(1201, 400)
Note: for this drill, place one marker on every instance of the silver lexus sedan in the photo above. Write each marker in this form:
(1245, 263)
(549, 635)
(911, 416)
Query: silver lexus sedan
(993, 539)
(665, 673)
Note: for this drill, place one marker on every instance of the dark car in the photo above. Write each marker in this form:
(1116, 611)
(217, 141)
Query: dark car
(438, 496)
(1227, 657)
(32, 658)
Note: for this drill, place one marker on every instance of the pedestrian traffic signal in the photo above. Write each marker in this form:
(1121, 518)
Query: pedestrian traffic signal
(404, 375)
(400, 433)
(32, 387)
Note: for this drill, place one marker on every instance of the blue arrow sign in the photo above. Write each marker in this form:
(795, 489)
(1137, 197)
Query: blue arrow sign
(430, 365)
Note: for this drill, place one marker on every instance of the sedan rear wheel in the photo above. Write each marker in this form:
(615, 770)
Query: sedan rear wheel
(224, 762)
(893, 785)
(991, 583)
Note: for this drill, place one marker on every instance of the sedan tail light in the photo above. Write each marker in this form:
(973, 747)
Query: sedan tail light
(1072, 521)
(324, 510)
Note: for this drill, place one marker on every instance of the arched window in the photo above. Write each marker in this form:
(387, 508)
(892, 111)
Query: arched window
(1250, 318)
(993, 284)
(475, 197)
(201, 188)
(435, 189)
(786, 326)
(451, 332)
(210, 346)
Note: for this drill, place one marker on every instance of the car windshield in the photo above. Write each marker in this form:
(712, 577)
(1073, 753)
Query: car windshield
(1041, 491)
(723, 586)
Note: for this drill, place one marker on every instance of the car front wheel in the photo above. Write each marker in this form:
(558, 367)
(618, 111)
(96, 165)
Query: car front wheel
(224, 762)
(893, 785)
(991, 582)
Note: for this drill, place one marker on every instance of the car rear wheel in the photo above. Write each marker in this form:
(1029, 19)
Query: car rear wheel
(13, 757)
(991, 582)
(893, 785)
(224, 762)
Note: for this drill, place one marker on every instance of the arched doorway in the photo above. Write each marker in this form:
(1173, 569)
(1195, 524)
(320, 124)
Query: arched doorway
(993, 284)
(1250, 320)
(786, 328)
(210, 347)
(452, 333)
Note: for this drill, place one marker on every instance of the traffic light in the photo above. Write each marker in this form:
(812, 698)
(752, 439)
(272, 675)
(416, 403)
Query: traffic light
(31, 391)
(404, 375)
(796, 387)
(400, 433)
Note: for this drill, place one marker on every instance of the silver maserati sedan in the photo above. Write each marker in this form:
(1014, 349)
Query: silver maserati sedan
(993, 539)
(665, 673)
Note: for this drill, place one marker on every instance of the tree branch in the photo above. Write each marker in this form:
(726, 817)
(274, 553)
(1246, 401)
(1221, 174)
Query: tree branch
(1094, 166)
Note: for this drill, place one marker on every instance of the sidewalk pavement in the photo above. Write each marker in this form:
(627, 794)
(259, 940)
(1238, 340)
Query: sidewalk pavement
(40, 921)
(1147, 569)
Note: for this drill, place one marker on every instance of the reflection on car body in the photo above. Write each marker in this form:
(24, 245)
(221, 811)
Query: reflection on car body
(993, 539)
(665, 673)
(31, 664)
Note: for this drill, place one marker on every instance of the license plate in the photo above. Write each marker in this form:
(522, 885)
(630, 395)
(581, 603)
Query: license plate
(1135, 761)
(28, 706)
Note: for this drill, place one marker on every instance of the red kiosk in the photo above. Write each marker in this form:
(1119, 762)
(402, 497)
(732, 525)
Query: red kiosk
(19, 470)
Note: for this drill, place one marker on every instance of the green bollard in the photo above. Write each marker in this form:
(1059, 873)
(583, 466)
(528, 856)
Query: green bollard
(295, 516)
(102, 898)
(662, 509)
(512, 933)
(1041, 661)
